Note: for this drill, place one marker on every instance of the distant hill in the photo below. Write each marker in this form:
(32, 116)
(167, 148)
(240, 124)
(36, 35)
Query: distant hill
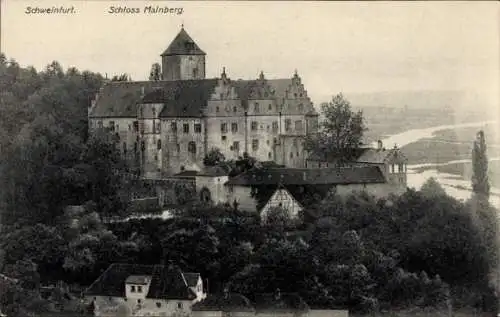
(423, 99)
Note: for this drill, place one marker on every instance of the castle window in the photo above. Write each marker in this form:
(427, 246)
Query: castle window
(301, 107)
(135, 147)
(173, 127)
(256, 107)
(154, 112)
(185, 127)
(295, 95)
(223, 138)
(235, 109)
(179, 305)
(132, 289)
(255, 144)
(136, 126)
(192, 147)
(143, 146)
(291, 155)
(254, 126)
(269, 155)
(275, 141)
(195, 72)
(294, 142)
(234, 127)
(236, 146)
(139, 289)
(158, 304)
(178, 147)
(99, 124)
(223, 127)
(124, 148)
(138, 301)
(197, 127)
(298, 125)
(270, 107)
(158, 127)
(217, 109)
(154, 126)
(112, 126)
(288, 124)
(275, 126)
(158, 144)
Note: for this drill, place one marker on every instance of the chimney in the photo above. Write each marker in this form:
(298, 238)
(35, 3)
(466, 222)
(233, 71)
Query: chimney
(380, 145)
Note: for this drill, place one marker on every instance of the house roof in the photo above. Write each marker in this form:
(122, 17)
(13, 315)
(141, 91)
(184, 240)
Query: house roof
(224, 302)
(183, 44)
(316, 176)
(167, 282)
(366, 155)
(191, 278)
(214, 171)
(284, 302)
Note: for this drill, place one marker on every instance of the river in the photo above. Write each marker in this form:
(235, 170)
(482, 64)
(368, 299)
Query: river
(454, 185)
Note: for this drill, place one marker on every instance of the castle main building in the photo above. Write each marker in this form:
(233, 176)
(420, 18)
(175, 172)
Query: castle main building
(169, 125)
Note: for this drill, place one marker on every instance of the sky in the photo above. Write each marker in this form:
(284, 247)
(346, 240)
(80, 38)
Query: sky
(335, 46)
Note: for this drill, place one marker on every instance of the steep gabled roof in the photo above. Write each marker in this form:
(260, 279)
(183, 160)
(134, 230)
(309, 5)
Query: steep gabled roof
(316, 176)
(183, 44)
(166, 282)
(191, 278)
(224, 302)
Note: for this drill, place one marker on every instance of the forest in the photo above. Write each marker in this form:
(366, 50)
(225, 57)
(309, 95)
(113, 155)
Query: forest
(423, 249)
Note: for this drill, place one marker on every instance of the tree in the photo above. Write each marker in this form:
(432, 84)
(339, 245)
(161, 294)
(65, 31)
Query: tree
(341, 134)
(155, 73)
(122, 77)
(213, 157)
(432, 188)
(480, 184)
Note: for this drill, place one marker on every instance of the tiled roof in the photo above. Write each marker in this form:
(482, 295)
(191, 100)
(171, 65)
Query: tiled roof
(166, 283)
(285, 302)
(191, 278)
(224, 302)
(183, 44)
(214, 171)
(298, 176)
(182, 98)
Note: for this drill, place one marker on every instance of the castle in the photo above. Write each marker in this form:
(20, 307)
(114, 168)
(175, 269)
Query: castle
(169, 125)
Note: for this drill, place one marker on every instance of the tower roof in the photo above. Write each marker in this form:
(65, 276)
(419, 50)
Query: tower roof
(183, 44)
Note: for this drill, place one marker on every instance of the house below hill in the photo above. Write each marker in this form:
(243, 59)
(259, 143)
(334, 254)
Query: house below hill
(145, 290)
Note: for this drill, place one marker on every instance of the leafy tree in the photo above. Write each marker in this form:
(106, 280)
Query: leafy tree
(122, 77)
(213, 157)
(480, 183)
(155, 73)
(341, 133)
(432, 188)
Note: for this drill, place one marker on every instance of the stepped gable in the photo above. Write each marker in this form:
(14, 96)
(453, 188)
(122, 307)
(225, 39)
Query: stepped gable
(166, 282)
(183, 44)
(224, 302)
(284, 302)
(303, 176)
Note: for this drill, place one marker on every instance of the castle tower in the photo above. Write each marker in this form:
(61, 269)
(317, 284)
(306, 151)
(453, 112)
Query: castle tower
(183, 59)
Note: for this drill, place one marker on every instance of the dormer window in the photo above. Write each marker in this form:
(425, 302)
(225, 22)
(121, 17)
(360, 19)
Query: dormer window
(189, 45)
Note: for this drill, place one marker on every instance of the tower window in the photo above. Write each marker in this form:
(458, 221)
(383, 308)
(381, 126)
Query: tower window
(197, 127)
(185, 127)
(255, 144)
(254, 125)
(192, 147)
(223, 128)
(234, 127)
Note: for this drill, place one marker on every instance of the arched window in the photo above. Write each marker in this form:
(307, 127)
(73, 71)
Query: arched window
(192, 147)
(158, 144)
